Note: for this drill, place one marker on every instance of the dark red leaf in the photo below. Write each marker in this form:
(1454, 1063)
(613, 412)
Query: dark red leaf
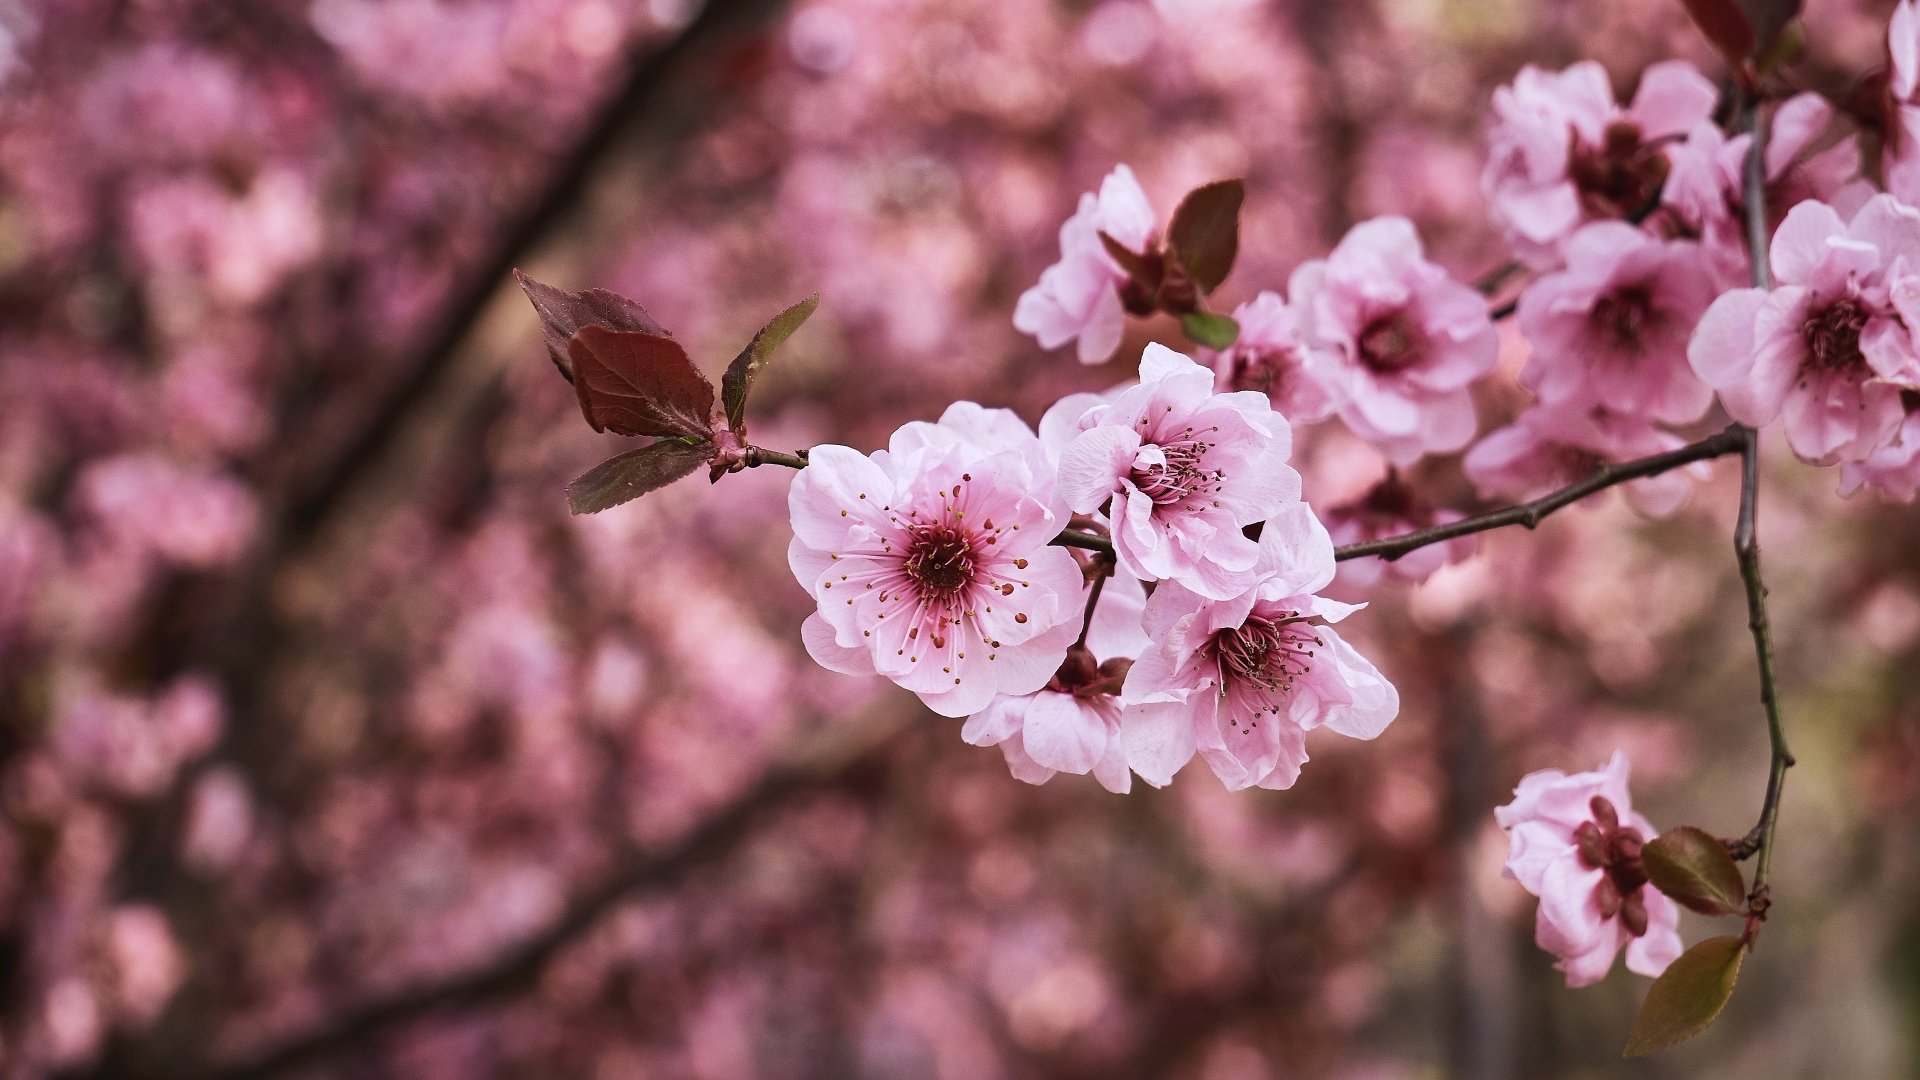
(1143, 268)
(1768, 18)
(1695, 871)
(632, 474)
(563, 313)
(737, 383)
(1688, 995)
(1205, 232)
(631, 382)
(1726, 25)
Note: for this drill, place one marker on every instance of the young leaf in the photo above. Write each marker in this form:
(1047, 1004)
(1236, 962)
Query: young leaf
(737, 383)
(1726, 25)
(631, 382)
(1695, 870)
(1769, 18)
(562, 313)
(1211, 329)
(1205, 232)
(630, 475)
(1143, 268)
(1688, 996)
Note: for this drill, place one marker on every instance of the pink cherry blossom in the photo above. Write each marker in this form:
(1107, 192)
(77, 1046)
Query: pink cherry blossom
(1893, 469)
(1826, 347)
(1079, 297)
(1184, 470)
(1612, 327)
(1562, 152)
(1547, 448)
(1705, 196)
(1902, 153)
(930, 560)
(1401, 341)
(1242, 681)
(1574, 842)
(1393, 508)
(1073, 725)
(1270, 356)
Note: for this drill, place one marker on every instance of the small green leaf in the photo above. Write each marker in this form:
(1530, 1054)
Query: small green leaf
(1695, 870)
(1211, 329)
(737, 383)
(1205, 232)
(1688, 996)
(628, 476)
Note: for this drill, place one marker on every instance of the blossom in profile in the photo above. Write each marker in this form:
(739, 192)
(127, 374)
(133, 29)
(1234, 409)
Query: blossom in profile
(1180, 470)
(1547, 448)
(1072, 725)
(1562, 152)
(1825, 349)
(1705, 193)
(1612, 327)
(931, 563)
(1894, 469)
(1270, 356)
(1079, 296)
(1401, 341)
(1241, 681)
(1393, 508)
(1575, 842)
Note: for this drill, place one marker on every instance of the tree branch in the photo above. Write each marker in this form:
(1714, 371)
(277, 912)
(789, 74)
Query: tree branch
(1530, 514)
(1746, 548)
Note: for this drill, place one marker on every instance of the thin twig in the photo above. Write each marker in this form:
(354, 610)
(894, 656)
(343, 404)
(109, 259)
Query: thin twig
(1530, 514)
(758, 456)
(1746, 548)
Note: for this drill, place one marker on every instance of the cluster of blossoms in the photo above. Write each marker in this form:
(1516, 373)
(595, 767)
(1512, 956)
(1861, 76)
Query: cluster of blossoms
(934, 562)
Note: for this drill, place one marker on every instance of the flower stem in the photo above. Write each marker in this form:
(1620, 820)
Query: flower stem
(758, 456)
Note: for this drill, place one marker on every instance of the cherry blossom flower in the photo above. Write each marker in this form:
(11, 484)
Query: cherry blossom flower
(1612, 327)
(930, 560)
(1401, 340)
(1562, 152)
(1184, 470)
(1079, 296)
(1825, 348)
(1574, 842)
(1393, 508)
(1705, 192)
(1902, 154)
(1893, 469)
(1073, 725)
(1271, 357)
(1242, 681)
(1547, 448)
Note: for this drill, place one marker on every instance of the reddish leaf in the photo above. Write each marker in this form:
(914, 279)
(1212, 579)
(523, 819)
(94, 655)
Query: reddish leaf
(632, 474)
(563, 313)
(1687, 996)
(634, 383)
(1695, 870)
(1726, 25)
(737, 383)
(1205, 232)
(1145, 269)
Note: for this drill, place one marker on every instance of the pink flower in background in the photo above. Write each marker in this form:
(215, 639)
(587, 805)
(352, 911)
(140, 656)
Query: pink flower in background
(148, 503)
(1184, 470)
(1079, 296)
(1547, 448)
(1270, 357)
(1902, 153)
(1825, 349)
(1073, 725)
(1893, 469)
(930, 560)
(146, 963)
(1612, 327)
(1393, 508)
(1574, 842)
(1401, 340)
(1562, 152)
(1242, 681)
(1705, 189)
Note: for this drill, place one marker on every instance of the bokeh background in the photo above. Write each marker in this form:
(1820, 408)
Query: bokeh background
(331, 746)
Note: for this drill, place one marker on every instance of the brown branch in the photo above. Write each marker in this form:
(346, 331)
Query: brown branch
(1530, 514)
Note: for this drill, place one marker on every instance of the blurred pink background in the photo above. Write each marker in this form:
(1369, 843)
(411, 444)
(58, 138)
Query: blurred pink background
(331, 746)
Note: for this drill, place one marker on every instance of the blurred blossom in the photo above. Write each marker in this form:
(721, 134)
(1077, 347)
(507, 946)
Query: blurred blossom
(1547, 448)
(1392, 508)
(146, 961)
(219, 820)
(149, 504)
(1079, 296)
